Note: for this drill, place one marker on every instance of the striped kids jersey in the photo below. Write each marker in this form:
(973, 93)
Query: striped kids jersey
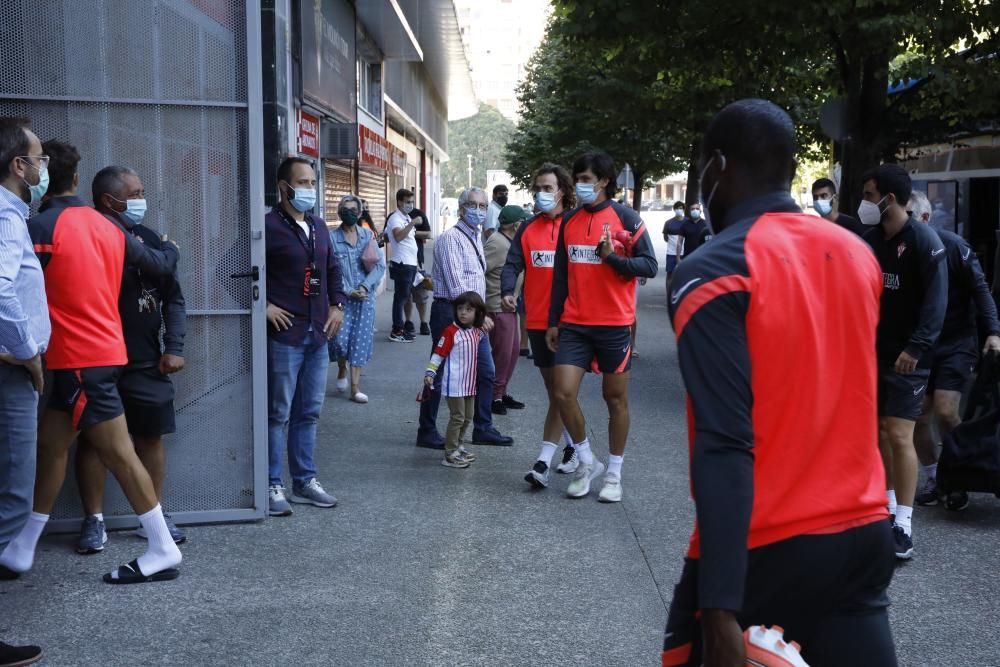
(457, 352)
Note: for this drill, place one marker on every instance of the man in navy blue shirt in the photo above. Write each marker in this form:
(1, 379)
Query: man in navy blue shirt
(305, 307)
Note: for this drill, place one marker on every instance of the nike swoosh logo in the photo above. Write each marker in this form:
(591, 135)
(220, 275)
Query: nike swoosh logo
(680, 291)
(935, 253)
(916, 392)
(965, 257)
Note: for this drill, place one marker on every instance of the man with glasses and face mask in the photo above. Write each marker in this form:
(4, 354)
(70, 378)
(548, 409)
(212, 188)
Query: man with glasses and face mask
(775, 323)
(24, 335)
(914, 301)
(459, 267)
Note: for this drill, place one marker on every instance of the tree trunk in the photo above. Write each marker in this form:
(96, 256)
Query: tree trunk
(637, 180)
(867, 93)
(693, 195)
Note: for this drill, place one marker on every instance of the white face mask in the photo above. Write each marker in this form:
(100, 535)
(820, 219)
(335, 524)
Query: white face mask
(870, 214)
(679, 213)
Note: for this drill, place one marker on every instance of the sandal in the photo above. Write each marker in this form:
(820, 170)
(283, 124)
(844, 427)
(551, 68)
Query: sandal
(131, 574)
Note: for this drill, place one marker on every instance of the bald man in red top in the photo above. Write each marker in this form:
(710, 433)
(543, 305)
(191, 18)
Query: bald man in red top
(775, 322)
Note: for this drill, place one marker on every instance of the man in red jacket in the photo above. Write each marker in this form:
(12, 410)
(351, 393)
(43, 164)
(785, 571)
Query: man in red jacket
(775, 322)
(592, 312)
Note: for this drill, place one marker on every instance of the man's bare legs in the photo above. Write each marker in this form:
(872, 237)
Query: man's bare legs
(900, 457)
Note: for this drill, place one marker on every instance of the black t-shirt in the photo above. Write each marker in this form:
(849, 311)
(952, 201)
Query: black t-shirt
(914, 293)
(695, 233)
(423, 226)
(850, 224)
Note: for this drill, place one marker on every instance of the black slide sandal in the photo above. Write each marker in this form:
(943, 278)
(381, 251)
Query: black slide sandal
(130, 574)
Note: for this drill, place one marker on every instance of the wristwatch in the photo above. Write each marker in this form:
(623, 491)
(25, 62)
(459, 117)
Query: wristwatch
(339, 306)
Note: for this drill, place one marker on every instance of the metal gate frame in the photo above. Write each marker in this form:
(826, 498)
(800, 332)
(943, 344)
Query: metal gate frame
(257, 312)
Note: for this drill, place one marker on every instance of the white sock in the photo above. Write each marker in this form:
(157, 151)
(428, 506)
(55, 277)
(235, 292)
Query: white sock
(548, 451)
(99, 516)
(930, 472)
(615, 464)
(162, 553)
(583, 451)
(891, 495)
(567, 439)
(20, 552)
(904, 516)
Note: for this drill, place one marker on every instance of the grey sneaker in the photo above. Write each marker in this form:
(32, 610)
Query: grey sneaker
(584, 475)
(92, 536)
(277, 505)
(570, 461)
(311, 493)
(538, 476)
(176, 533)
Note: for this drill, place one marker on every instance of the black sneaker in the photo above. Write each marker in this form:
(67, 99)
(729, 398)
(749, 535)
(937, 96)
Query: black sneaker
(538, 476)
(408, 336)
(425, 330)
(511, 404)
(408, 328)
(19, 655)
(400, 336)
(956, 501)
(903, 543)
(498, 408)
(928, 494)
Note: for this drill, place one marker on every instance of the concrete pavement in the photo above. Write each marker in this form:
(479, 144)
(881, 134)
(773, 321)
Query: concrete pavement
(424, 565)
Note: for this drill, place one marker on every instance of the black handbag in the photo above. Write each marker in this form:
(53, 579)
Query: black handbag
(970, 454)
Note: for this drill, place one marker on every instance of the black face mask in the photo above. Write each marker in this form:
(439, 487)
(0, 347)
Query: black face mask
(501, 199)
(348, 217)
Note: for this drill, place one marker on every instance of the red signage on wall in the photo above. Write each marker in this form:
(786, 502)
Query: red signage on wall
(373, 149)
(308, 134)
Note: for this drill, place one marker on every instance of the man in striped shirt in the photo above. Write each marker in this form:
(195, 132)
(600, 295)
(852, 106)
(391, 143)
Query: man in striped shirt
(460, 266)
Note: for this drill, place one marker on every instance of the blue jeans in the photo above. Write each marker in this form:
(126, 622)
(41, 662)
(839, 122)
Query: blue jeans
(296, 387)
(18, 442)
(403, 276)
(443, 314)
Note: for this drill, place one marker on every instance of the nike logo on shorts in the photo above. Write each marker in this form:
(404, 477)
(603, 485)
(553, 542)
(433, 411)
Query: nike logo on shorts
(935, 253)
(916, 392)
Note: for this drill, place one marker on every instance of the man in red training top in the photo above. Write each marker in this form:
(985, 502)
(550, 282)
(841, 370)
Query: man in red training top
(83, 254)
(592, 312)
(533, 253)
(775, 322)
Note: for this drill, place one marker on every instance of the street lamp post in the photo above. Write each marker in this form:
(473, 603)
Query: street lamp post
(469, 156)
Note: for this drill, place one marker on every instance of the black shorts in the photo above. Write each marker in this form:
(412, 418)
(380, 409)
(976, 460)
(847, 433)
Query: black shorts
(671, 264)
(828, 593)
(610, 348)
(89, 395)
(953, 365)
(148, 398)
(901, 395)
(544, 357)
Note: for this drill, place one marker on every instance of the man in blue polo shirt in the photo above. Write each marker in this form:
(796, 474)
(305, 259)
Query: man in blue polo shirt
(305, 307)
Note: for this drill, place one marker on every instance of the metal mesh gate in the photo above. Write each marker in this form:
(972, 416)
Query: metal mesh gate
(162, 86)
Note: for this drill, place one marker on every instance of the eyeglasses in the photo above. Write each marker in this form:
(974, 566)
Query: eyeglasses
(43, 160)
(481, 207)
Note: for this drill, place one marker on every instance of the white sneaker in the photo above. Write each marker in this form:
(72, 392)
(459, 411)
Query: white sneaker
(570, 461)
(585, 473)
(612, 491)
(342, 385)
(359, 397)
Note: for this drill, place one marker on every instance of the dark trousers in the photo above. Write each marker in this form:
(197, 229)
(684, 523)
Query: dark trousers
(828, 592)
(443, 314)
(402, 276)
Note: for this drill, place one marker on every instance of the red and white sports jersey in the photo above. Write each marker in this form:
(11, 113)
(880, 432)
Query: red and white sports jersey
(455, 356)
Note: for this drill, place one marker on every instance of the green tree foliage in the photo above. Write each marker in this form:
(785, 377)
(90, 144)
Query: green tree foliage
(484, 137)
(680, 61)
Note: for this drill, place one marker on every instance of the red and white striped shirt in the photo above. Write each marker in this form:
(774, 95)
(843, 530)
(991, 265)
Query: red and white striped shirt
(458, 352)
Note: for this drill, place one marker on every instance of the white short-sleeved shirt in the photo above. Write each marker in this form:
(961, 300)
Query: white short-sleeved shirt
(405, 251)
(672, 240)
(493, 216)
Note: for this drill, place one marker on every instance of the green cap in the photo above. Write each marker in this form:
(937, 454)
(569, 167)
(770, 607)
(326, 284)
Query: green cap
(511, 214)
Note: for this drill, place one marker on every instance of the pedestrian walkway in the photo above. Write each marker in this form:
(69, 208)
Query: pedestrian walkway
(425, 565)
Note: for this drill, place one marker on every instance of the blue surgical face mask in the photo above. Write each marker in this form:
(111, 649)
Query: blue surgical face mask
(135, 209)
(473, 216)
(304, 199)
(823, 206)
(678, 213)
(695, 214)
(585, 193)
(407, 208)
(545, 201)
(38, 190)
